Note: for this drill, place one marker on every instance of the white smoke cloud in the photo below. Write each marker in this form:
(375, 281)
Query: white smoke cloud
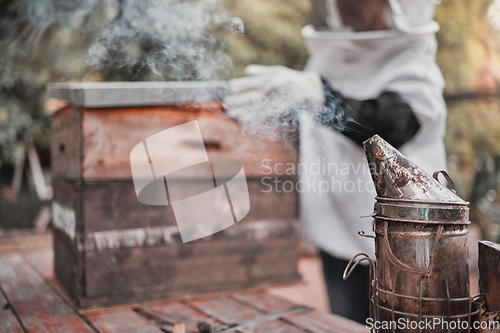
(171, 39)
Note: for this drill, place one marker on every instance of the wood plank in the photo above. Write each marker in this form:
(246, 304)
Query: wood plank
(109, 135)
(135, 274)
(124, 321)
(179, 313)
(245, 236)
(270, 303)
(114, 205)
(38, 306)
(159, 269)
(24, 241)
(262, 301)
(67, 208)
(489, 274)
(68, 265)
(43, 262)
(319, 322)
(230, 311)
(8, 320)
(108, 94)
(66, 143)
(254, 253)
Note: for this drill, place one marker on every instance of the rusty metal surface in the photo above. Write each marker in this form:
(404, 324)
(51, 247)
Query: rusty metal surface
(415, 211)
(421, 230)
(396, 177)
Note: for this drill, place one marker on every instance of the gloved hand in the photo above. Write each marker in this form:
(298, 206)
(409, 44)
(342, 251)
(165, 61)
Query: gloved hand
(273, 92)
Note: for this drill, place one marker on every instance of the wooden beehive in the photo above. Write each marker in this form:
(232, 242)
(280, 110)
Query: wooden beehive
(109, 247)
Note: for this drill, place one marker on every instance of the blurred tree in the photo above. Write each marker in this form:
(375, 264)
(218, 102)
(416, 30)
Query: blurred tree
(468, 57)
(272, 33)
(464, 28)
(40, 43)
(54, 40)
(465, 46)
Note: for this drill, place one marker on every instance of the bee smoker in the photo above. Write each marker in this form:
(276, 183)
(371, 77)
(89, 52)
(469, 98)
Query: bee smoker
(421, 273)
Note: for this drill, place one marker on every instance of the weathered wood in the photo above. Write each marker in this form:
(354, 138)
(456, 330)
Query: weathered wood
(67, 208)
(8, 320)
(13, 241)
(124, 321)
(325, 322)
(69, 266)
(113, 205)
(154, 269)
(489, 274)
(41, 309)
(116, 131)
(38, 306)
(320, 322)
(262, 301)
(43, 262)
(230, 311)
(182, 314)
(112, 94)
(113, 269)
(106, 241)
(103, 138)
(100, 148)
(66, 143)
(111, 248)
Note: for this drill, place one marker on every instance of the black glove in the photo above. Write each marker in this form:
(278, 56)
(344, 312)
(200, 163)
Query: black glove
(387, 115)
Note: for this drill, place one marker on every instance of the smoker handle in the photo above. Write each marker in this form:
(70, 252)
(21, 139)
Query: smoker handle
(355, 261)
(373, 279)
(396, 262)
(435, 175)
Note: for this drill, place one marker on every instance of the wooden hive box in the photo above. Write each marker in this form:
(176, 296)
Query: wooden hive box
(112, 249)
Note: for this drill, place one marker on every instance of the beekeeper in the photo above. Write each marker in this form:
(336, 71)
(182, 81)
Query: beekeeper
(371, 70)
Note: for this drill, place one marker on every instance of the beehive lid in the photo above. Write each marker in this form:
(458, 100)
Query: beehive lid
(120, 94)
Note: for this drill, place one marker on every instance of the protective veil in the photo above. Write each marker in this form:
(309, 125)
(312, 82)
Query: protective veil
(335, 184)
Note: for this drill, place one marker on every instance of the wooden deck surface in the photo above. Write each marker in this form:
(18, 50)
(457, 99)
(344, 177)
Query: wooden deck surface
(32, 301)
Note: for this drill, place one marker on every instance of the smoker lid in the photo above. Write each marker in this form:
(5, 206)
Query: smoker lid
(114, 94)
(396, 177)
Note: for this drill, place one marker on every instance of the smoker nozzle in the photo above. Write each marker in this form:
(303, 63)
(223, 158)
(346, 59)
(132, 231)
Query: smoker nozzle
(396, 177)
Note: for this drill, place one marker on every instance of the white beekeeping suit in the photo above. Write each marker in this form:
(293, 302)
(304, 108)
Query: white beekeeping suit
(361, 65)
(358, 82)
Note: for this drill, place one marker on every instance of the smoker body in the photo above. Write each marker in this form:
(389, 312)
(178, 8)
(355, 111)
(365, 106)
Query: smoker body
(422, 265)
(421, 229)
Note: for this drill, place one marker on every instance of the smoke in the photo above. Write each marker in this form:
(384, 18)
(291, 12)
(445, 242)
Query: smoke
(120, 39)
(167, 39)
(271, 104)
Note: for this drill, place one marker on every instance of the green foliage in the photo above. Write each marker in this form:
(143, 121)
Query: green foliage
(40, 43)
(272, 33)
(473, 128)
(473, 135)
(48, 41)
(464, 26)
